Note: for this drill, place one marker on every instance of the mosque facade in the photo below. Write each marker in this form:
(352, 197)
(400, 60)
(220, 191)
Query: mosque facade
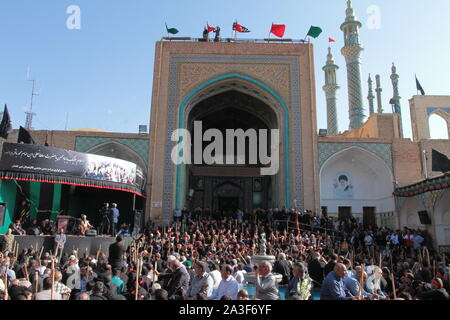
(370, 171)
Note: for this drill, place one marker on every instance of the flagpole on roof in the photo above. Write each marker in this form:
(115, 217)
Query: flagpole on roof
(270, 30)
(417, 89)
(306, 36)
(232, 29)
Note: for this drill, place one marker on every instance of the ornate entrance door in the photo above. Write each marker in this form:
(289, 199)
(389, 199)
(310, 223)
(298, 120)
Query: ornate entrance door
(228, 197)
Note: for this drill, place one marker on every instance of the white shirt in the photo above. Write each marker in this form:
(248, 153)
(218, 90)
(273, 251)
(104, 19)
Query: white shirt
(217, 277)
(228, 287)
(368, 240)
(239, 276)
(394, 238)
(417, 241)
(11, 273)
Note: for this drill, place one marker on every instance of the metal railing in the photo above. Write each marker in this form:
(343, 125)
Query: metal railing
(292, 225)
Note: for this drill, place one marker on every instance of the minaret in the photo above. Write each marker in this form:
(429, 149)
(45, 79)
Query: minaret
(378, 91)
(396, 98)
(352, 53)
(371, 97)
(330, 89)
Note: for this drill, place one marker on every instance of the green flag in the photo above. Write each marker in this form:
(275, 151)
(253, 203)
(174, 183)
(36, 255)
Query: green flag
(314, 32)
(171, 30)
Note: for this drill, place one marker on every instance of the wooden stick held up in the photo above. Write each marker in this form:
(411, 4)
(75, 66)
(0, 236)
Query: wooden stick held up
(138, 271)
(53, 278)
(393, 286)
(361, 282)
(36, 282)
(25, 271)
(6, 285)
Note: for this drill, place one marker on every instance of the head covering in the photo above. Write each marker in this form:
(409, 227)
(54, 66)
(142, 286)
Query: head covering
(437, 282)
(188, 263)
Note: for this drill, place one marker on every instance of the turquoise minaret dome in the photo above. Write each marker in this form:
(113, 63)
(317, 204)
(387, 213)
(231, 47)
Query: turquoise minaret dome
(352, 52)
(330, 89)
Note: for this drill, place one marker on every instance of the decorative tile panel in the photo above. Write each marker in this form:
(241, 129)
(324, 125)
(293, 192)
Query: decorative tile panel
(431, 110)
(140, 146)
(383, 150)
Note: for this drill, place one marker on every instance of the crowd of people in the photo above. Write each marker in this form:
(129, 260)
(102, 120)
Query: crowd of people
(106, 170)
(201, 259)
(106, 223)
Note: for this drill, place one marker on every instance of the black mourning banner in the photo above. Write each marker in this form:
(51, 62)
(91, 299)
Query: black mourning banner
(32, 158)
(25, 136)
(36, 162)
(440, 162)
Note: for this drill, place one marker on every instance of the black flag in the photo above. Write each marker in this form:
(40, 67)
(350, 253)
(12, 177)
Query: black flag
(419, 87)
(5, 125)
(25, 136)
(440, 162)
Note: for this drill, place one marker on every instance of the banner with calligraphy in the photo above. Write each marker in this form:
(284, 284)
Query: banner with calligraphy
(51, 164)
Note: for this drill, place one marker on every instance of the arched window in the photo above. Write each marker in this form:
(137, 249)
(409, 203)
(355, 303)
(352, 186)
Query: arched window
(438, 127)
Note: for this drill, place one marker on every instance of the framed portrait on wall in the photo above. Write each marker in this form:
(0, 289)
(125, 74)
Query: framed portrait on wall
(343, 185)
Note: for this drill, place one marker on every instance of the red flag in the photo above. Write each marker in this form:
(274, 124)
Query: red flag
(240, 28)
(210, 28)
(331, 40)
(237, 27)
(278, 29)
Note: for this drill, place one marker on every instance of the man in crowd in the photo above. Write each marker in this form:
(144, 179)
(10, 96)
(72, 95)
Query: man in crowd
(60, 241)
(283, 267)
(333, 287)
(300, 284)
(228, 286)
(60, 287)
(114, 218)
(315, 268)
(179, 281)
(266, 284)
(116, 251)
(202, 282)
(105, 222)
(46, 294)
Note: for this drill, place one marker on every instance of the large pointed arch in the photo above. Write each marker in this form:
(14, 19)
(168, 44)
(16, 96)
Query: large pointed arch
(269, 92)
(362, 165)
(334, 155)
(441, 120)
(118, 150)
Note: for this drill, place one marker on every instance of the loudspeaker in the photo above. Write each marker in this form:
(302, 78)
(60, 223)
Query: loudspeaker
(424, 218)
(2, 212)
(91, 233)
(138, 222)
